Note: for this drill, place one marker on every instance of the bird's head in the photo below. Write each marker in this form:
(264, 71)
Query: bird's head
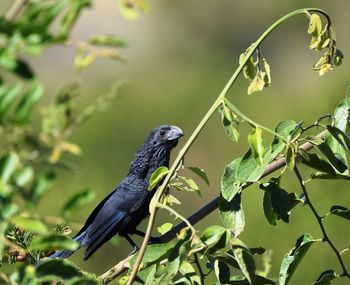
(165, 136)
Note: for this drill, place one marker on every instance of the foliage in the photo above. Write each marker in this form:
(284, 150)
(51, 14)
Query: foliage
(30, 158)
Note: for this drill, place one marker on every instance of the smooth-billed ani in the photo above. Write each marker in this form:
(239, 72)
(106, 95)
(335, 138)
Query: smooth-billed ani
(127, 205)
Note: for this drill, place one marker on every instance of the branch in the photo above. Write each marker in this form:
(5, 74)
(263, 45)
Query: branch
(320, 223)
(15, 9)
(123, 265)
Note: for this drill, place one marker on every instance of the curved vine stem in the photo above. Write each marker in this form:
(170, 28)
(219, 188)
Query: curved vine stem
(201, 125)
(320, 223)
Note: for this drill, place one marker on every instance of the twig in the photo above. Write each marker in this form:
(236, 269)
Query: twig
(320, 223)
(15, 9)
(177, 215)
(197, 216)
(200, 271)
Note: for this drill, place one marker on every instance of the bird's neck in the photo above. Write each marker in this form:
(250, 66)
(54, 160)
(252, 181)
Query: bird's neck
(148, 160)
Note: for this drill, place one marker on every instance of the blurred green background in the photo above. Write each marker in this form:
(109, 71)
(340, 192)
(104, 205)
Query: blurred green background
(180, 55)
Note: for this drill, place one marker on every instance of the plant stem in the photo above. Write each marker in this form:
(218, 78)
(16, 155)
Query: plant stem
(15, 9)
(320, 223)
(200, 271)
(234, 109)
(199, 128)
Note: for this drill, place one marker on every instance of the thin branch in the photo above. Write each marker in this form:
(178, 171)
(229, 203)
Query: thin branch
(119, 268)
(320, 222)
(15, 9)
(200, 271)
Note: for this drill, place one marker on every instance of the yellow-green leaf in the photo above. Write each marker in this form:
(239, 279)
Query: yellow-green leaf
(256, 142)
(157, 176)
(164, 228)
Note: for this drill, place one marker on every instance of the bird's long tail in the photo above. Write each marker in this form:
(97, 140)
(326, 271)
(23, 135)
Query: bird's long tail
(68, 253)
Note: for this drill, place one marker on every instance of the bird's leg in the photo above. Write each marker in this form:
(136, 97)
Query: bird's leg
(152, 240)
(133, 244)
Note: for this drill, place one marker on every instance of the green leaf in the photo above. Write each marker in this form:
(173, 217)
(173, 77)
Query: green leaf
(258, 83)
(7, 211)
(29, 224)
(107, 40)
(229, 184)
(340, 211)
(292, 259)
(269, 213)
(316, 162)
(222, 272)
(27, 102)
(290, 157)
(157, 176)
(189, 273)
(54, 242)
(8, 165)
(315, 25)
(53, 269)
(23, 176)
(154, 253)
(335, 159)
(230, 122)
(200, 172)
(41, 184)
(8, 95)
(232, 215)
(325, 278)
(165, 228)
(279, 201)
(286, 129)
(77, 201)
(320, 175)
(215, 237)
(241, 280)
(244, 258)
(186, 184)
(250, 68)
(256, 142)
(340, 137)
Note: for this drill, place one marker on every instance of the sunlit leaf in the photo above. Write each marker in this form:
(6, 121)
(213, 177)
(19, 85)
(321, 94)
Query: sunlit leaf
(290, 156)
(230, 122)
(232, 214)
(8, 165)
(27, 103)
(157, 176)
(326, 278)
(109, 40)
(54, 242)
(189, 273)
(53, 269)
(244, 258)
(41, 185)
(292, 259)
(316, 162)
(200, 172)
(277, 200)
(77, 201)
(315, 25)
(8, 95)
(164, 228)
(286, 129)
(23, 176)
(29, 224)
(256, 142)
(215, 237)
(222, 272)
(340, 211)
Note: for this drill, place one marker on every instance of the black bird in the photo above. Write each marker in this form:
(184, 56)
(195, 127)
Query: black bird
(127, 205)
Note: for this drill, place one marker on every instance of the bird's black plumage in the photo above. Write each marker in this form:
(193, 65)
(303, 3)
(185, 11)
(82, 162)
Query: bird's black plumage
(127, 205)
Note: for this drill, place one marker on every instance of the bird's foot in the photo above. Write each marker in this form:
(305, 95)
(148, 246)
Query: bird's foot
(136, 248)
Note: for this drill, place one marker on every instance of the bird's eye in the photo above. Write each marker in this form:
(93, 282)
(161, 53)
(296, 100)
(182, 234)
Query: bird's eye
(162, 133)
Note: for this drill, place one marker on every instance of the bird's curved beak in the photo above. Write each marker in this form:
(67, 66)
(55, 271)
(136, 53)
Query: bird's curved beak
(175, 133)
